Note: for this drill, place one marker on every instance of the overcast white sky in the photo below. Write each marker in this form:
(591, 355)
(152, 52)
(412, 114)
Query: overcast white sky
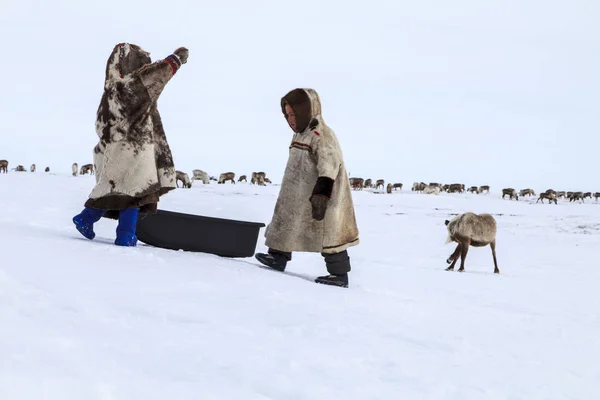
(480, 92)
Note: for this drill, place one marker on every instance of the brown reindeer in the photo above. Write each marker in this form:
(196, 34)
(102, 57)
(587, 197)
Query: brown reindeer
(548, 195)
(512, 193)
(526, 192)
(576, 196)
(456, 187)
(357, 183)
(484, 188)
(75, 169)
(587, 195)
(470, 229)
(184, 178)
(389, 188)
(369, 183)
(380, 182)
(243, 178)
(397, 186)
(473, 189)
(47, 169)
(258, 178)
(597, 195)
(20, 168)
(550, 191)
(87, 168)
(4, 166)
(227, 176)
(32, 168)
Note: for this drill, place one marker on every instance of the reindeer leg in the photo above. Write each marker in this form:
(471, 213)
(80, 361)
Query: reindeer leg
(493, 246)
(454, 258)
(463, 254)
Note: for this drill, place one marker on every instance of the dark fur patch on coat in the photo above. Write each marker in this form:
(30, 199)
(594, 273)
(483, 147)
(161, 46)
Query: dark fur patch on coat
(300, 103)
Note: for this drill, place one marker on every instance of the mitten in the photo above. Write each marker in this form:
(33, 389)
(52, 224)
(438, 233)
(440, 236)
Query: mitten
(319, 206)
(320, 197)
(183, 54)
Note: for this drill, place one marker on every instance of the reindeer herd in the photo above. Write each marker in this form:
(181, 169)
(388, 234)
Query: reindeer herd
(257, 178)
(551, 195)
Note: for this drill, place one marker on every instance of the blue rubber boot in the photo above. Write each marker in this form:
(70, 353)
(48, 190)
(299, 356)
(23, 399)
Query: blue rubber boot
(84, 222)
(126, 228)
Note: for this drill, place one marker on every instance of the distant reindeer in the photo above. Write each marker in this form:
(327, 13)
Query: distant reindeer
(569, 194)
(419, 186)
(456, 187)
(484, 188)
(184, 178)
(47, 169)
(526, 192)
(243, 178)
(473, 189)
(587, 195)
(597, 195)
(548, 195)
(380, 182)
(397, 186)
(75, 169)
(470, 229)
(4, 166)
(576, 196)
(510, 192)
(389, 188)
(432, 190)
(550, 191)
(32, 168)
(369, 183)
(357, 183)
(200, 175)
(258, 178)
(87, 168)
(227, 176)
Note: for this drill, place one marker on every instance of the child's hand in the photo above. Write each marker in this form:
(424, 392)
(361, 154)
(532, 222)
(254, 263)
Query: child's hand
(319, 206)
(182, 53)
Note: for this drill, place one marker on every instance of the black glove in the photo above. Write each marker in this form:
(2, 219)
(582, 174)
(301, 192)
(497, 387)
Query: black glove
(320, 197)
(182, 53)
(319, 206)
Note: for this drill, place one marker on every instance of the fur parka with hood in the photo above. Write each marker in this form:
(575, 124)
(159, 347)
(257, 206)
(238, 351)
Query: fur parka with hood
(315, 167)
(133, 161)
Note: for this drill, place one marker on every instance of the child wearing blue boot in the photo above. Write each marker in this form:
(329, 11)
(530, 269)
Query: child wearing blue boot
(132, 160)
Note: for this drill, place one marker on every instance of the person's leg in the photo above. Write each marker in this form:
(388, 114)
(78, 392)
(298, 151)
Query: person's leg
(127, 227)
(84, 221)
(275, 259)
(338, 266)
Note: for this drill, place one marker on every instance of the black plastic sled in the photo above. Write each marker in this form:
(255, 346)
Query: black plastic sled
(188, 232)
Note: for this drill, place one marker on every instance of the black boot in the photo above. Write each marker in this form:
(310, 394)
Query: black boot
(274, 259)
(334, 280)
(338, 266)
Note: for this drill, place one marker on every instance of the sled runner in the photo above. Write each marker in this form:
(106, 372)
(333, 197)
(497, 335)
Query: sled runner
(196, 233)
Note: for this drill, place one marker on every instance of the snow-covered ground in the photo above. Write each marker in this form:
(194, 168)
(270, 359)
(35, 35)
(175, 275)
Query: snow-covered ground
(88, 320)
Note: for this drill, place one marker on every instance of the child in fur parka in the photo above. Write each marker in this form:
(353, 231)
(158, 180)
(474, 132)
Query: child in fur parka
(314, 211)
(133, 161)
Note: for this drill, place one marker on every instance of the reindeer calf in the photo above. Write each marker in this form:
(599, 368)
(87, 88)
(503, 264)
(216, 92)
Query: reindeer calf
(471, 229)
(484, 188)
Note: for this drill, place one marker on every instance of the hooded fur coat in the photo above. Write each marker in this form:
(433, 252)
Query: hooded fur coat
(133, 161)
(314, 157)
